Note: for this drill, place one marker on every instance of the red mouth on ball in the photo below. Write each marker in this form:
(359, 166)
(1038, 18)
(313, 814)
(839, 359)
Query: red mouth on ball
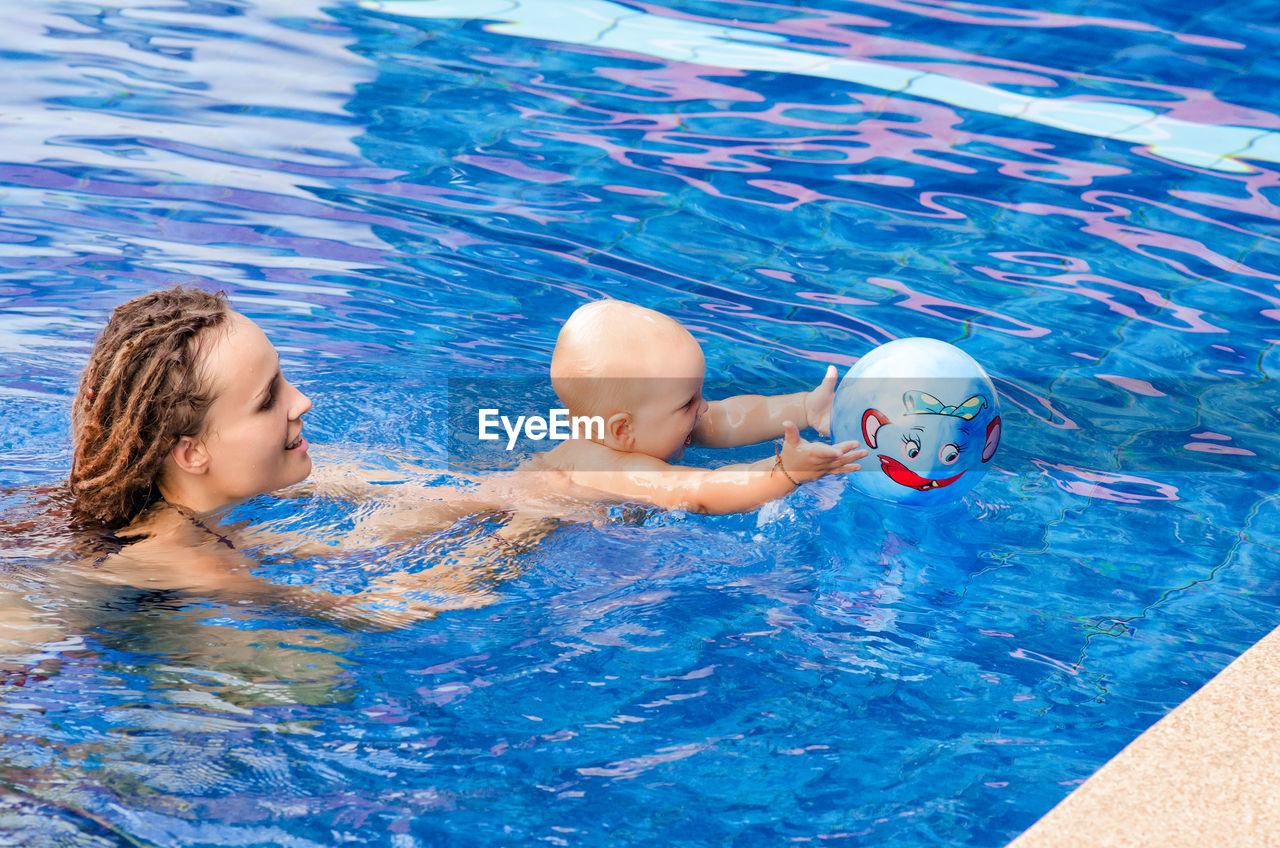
(904, 476)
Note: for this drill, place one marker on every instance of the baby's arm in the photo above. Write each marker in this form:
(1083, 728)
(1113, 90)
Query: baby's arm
(732, 488)
(749, 419)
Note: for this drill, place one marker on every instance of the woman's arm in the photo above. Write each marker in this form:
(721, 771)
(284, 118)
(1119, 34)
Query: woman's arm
(24, 630)
(347, 476)
(179, 555)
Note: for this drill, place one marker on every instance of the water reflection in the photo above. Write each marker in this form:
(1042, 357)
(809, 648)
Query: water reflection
(610, 26)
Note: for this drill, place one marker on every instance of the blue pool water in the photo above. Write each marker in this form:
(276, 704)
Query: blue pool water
(409, 200)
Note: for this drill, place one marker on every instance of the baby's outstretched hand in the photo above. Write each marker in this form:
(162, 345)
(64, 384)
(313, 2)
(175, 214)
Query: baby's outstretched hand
(804, 461)
(817, 403)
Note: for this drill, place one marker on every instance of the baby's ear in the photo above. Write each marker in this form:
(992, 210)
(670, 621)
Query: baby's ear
(619, 431)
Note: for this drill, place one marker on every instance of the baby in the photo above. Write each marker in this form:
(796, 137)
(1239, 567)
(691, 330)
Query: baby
(642, 372)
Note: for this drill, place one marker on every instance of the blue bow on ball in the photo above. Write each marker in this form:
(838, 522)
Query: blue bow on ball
(917, 401)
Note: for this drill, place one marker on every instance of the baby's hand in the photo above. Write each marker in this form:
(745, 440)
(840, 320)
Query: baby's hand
(817, 403)
(804, 461)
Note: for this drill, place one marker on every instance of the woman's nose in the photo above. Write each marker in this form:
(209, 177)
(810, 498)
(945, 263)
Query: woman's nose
(301, 403)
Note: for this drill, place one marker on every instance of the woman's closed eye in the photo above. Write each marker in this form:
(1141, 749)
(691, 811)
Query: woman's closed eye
(273, 392)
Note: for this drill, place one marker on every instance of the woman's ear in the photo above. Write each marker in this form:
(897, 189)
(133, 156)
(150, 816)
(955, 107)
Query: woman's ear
(619, 432)
(189, 454)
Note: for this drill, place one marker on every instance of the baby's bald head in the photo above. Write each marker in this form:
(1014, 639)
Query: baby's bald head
(610, 353)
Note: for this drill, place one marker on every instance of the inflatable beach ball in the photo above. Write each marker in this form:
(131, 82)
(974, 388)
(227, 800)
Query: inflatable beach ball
(928, 416)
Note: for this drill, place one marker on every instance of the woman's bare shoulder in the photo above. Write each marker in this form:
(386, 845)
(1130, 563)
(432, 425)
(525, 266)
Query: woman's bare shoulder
(167, 548)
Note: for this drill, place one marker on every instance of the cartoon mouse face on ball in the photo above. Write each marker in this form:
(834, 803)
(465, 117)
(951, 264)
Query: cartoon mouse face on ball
(928, 415)
(930, 445)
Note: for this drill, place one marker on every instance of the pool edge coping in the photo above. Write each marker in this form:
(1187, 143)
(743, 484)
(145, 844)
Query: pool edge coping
(1205, 774)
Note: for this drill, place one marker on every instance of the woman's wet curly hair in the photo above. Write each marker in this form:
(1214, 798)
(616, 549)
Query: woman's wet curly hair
(142, 389)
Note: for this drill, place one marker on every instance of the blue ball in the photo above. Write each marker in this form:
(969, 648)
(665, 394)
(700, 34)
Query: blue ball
(928, 416)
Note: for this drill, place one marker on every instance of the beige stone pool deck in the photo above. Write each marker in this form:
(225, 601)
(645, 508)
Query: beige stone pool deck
(1206, 775)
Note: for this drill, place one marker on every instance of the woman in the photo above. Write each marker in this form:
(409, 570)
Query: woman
(182, 409)
(182, 403)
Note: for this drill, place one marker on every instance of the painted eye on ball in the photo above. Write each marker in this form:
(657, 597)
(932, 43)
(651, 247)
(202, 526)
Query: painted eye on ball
(948, 454)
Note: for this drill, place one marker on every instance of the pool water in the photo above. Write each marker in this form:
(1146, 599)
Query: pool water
(410, 199)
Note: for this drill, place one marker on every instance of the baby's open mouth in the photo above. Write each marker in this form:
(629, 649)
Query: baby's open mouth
(293, 445)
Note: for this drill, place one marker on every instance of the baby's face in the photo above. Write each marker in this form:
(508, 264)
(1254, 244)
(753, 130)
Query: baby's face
(670, 403)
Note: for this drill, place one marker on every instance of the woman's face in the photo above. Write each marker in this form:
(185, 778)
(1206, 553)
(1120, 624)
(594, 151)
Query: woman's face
(252, 436)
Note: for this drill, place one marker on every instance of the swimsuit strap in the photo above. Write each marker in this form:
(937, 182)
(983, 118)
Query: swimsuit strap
(197, 521)
(121, 543)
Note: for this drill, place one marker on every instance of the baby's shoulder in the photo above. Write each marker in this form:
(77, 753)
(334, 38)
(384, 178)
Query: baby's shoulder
(571, 456)
(571, 465)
